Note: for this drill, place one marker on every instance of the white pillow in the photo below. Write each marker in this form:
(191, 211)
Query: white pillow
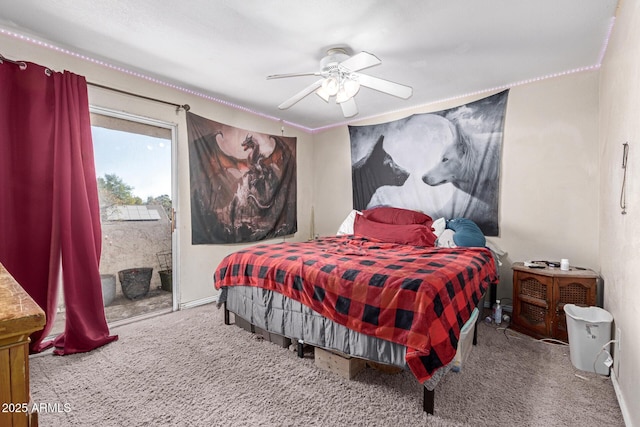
(438, 226)
(347, 225)
(446, 239)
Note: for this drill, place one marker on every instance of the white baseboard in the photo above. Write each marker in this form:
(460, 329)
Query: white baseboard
(144, 316)
(623, 407)
(198, 302)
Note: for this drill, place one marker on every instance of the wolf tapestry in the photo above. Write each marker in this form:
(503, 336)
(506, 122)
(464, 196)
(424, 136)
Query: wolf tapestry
(243, 184)
(445, 164)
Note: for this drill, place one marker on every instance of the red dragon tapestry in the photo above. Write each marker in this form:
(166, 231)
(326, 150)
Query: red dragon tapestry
(243, 183)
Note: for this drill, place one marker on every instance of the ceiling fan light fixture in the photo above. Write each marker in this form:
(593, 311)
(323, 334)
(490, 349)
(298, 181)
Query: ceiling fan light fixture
(331, 85)
(351, 87)
(348, 89)
(322, 93)
(342, 96)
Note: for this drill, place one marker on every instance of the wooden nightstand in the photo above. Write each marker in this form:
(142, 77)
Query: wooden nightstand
(539, 296)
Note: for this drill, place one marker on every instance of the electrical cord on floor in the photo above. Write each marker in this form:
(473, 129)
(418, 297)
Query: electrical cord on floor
(604, 348)
(516, 337)
(555, 341)
(498, 328)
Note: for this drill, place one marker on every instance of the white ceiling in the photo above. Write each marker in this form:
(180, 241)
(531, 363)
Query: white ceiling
(226, 48)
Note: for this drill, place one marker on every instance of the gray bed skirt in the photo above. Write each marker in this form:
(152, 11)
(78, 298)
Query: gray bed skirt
(281, 315)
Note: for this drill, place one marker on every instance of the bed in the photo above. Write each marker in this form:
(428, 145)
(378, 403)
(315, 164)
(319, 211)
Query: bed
(367, 295)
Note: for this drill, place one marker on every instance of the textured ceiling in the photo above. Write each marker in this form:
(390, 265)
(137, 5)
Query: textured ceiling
(225, 48)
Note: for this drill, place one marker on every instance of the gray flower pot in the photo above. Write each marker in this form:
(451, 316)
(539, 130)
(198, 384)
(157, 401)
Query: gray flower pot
(108, 288)
(135, 282)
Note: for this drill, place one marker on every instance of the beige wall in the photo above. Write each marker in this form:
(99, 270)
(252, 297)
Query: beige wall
(549, 176)
(619, 242)
(195, 263)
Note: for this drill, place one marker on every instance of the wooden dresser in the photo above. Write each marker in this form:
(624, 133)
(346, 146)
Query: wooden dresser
(539, 296)
(20, 316)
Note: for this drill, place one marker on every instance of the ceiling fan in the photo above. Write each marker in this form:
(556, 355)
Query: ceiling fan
(341, 79)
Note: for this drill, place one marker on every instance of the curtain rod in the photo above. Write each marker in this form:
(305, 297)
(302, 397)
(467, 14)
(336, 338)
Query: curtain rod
(186, 107)
(23, 65)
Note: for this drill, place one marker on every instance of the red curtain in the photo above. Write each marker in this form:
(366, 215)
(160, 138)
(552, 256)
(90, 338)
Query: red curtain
(49, 212)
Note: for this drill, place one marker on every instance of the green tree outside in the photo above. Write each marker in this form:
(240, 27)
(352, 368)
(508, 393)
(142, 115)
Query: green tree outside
(164, 201)
(113, 191)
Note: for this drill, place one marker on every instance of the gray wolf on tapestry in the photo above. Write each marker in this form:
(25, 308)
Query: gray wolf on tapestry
(460, 165)
(471, 169)
(373, 171)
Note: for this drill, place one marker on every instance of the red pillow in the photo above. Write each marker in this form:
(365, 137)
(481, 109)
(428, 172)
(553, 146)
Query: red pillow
(398, 216)
(405, 234)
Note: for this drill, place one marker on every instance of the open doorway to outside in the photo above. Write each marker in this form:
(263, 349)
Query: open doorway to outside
(133, 159)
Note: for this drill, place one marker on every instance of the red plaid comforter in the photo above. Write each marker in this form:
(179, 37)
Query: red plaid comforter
(416, 296)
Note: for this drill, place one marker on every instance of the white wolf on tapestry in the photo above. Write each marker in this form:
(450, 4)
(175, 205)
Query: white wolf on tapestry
(243, 183)
(445, 164)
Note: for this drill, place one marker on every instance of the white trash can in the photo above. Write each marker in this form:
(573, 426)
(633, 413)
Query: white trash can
(589, 329)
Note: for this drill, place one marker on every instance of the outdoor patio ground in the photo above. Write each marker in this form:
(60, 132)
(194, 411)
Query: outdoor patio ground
(122, 309)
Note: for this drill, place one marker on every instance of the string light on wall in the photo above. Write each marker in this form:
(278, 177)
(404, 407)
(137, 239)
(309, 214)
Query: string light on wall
(142, 76)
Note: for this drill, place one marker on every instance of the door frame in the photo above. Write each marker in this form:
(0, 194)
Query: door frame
(173, 127)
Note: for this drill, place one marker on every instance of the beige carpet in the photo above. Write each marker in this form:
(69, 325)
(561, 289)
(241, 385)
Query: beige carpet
(189, 369)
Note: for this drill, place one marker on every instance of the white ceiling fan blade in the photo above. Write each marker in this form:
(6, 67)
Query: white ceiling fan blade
(298, 96)
(282, 76)
(349, 107)
(360, 61)
(386, 86)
